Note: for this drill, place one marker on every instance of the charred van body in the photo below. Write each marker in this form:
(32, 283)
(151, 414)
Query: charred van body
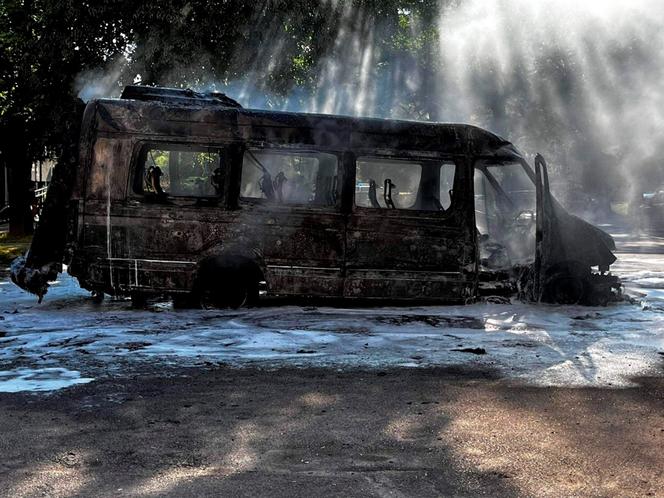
(180, 193)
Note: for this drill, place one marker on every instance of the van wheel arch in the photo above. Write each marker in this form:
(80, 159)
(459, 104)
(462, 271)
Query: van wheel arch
(567, 282)
(228, 280)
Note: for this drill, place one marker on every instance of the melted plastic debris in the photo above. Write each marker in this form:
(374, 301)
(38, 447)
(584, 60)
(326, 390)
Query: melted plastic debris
(34, 280)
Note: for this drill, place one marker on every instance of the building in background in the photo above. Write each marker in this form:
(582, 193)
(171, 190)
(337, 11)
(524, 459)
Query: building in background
(40, 177)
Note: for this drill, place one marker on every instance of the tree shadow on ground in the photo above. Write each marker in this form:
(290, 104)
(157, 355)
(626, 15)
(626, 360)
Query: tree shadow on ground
(225, 432)
(572, 441)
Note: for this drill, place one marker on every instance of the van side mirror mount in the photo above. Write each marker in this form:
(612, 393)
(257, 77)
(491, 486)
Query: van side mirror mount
(542, 169)
(543, 225)
(387, 193)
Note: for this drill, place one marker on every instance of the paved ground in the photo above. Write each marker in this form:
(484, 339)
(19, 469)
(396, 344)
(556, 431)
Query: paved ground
(382, 402)
(404, 432)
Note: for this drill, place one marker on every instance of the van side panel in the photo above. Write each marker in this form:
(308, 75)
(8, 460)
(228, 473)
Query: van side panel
(104, 190)
(302, 248)
(129, 244)
(404, 254)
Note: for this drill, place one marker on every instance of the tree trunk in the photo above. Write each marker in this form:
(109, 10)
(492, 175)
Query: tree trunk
(21, 193)
(3, 197)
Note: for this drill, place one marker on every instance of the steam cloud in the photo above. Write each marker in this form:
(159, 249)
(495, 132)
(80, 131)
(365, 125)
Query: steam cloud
(98, 83)
(580, 82)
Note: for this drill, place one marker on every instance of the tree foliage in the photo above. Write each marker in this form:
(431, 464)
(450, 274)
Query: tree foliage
(51, 49)
(44, 45)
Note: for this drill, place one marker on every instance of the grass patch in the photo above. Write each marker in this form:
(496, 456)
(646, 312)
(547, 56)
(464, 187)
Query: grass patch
(11, 247)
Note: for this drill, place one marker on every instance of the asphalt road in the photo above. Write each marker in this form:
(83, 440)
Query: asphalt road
(402, 432)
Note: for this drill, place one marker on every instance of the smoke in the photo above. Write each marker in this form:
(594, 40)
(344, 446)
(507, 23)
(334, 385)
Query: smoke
(577, 81)
(100, 83)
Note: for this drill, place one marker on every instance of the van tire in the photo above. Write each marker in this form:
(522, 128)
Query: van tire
(566, 288)
(244, 293)
(250, 292)
(138, 300)
(185, 301)
(97, 296)
(223, 285)
(240, 297)
(567, 283)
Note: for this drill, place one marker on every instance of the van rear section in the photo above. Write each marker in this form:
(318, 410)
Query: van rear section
(57, 227)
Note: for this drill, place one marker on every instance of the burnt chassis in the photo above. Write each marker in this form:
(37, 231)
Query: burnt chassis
(122, 245)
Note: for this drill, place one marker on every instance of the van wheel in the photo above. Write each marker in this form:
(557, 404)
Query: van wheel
(565, 289)
(238, 297)
(138, 300)
(243, 293)
(227, 282)
(185, 301)
(97, 296)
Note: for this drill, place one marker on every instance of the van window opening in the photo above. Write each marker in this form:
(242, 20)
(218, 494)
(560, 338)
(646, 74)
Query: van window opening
(447, 176)
(505, 208)
(173, 172)
(289, 177)
(382, 183)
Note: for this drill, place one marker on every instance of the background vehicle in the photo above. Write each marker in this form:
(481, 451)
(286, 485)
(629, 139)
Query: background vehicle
(190, 195)
(648, 214)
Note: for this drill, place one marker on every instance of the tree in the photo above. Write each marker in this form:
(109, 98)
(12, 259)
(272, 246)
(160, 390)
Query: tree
(44, 45)
(49, 47)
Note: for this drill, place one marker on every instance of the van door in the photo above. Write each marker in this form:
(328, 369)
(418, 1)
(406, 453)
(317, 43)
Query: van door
(174, 210)
(409, 236)
(505, 214)
(290, 205)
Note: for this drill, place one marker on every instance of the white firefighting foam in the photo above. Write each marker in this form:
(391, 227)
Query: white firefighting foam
(68, 339)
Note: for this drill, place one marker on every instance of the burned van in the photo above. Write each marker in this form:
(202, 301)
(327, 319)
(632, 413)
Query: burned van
(191, 195)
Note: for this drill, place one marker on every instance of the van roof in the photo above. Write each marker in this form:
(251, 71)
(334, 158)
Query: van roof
(162, 111)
